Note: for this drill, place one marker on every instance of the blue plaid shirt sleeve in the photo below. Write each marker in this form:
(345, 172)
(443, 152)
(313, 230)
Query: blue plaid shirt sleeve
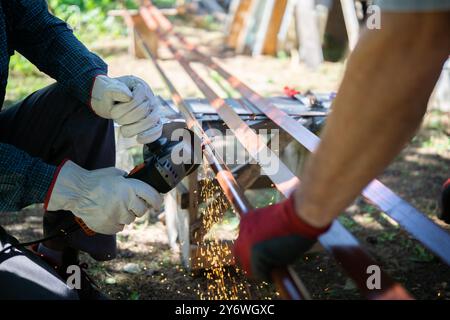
(50, 44)
(24, 180)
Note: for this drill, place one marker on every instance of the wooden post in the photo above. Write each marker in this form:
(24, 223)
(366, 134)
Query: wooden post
(246, 26)
(170, 212)
(231, 15)
(286, 24)
(149, 36)
(261, 27)
(336, 32)
(238, 22)
(351, 22)
(137, 24)
(194, 195)
(310, 44)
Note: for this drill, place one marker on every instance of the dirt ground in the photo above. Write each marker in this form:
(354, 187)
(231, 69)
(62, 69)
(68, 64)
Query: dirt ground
(146, 268)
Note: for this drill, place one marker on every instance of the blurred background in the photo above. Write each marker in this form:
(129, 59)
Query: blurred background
(268, 44)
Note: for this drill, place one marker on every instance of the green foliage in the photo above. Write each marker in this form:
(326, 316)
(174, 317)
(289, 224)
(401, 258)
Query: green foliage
(348, 222)
(387, 236)
(134, 295)
(20, 86)
(164, 3)
(420, 254)
(88, 5)
(369, 208)
(21, 65)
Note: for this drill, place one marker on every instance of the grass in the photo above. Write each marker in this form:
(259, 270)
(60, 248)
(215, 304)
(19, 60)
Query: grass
(21, 85)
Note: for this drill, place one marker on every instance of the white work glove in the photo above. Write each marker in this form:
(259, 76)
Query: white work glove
(104, 199)
(130, 102)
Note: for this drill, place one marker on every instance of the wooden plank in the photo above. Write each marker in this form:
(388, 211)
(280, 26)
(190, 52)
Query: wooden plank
(310, 44)
(262, 28)
(335, 28)
(178, 227)
(249, 35)
(194, 194)
(234, 5)
(286, 24)
(142, 26)
(182, 196)
(247, 25)
(171, 212)
(271, 39)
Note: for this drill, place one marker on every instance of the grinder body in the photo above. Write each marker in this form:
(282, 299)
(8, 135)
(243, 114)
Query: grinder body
(160, 170)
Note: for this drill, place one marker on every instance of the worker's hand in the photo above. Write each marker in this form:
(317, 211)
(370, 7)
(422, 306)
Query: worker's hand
(104, 199)
(272, 237)
(130, 102)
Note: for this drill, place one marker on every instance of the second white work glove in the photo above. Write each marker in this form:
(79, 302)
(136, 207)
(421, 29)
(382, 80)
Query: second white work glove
(104, 199)
(130, 102)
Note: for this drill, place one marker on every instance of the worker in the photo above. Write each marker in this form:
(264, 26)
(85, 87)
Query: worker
(57, 147)
(379, 106)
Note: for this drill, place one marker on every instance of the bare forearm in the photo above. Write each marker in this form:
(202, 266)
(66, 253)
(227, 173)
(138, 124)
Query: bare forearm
(380, 104)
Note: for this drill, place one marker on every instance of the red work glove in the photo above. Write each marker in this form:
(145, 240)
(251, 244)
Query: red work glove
(273, 237)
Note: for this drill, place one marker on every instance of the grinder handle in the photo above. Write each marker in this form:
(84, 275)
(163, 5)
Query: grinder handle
(80, 221)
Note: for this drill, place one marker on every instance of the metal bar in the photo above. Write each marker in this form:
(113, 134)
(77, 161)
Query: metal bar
(285, 181)
(290, 287)
(432, 236)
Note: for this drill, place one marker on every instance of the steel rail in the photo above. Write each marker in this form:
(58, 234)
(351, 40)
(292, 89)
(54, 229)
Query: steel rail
(338, 240)
(286, 281)
(432, 236)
